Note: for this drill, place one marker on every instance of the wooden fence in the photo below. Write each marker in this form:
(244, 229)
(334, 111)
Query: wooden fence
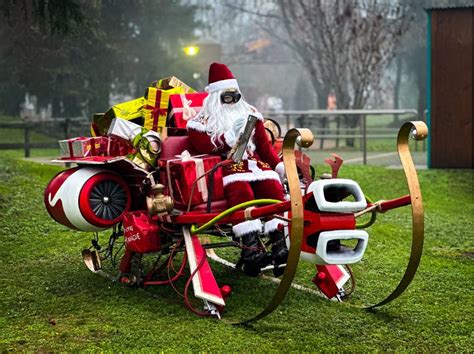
(316, 120)
(57, 129)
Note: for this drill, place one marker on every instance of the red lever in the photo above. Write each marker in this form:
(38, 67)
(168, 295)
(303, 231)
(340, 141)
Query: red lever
(335, 164)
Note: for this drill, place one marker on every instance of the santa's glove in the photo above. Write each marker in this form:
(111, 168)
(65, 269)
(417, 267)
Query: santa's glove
(238, 125)
(280, 169)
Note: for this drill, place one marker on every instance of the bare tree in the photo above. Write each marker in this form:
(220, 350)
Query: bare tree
(344, 45)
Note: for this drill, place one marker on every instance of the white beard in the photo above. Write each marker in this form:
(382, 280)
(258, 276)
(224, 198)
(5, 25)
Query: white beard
(221, 117)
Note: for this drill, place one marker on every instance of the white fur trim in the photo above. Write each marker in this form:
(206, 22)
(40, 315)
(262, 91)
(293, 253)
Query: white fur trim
(247, 227)
(280, 169)
(250, 177)
(230, 138)
(221, 85)
(194, 124)
(272, 225)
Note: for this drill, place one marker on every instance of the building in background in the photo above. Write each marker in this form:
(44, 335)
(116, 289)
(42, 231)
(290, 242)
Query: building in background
(450, 96)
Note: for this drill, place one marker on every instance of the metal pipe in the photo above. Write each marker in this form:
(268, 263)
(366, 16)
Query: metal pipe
(352, 113)
(364, 134)
(343, 111)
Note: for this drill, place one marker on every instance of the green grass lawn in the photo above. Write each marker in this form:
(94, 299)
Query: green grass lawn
(49, 301)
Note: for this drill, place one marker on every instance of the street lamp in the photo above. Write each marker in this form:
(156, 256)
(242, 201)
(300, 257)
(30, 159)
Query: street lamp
(191, 50)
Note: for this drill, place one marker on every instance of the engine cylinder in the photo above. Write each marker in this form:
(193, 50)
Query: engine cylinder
(87, 198)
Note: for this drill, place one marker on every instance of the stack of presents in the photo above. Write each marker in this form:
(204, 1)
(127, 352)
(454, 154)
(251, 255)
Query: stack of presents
(133, 130)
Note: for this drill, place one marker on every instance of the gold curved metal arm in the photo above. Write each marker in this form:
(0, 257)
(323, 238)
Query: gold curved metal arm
(305, 138)
(420, 132)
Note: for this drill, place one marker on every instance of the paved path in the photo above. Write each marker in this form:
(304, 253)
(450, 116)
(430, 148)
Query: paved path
(387, 159)
(44, 160)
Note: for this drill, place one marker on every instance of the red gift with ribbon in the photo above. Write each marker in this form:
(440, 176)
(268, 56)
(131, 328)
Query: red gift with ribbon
(183, 107)
(84, 147)
(118, 147)
(182, 172)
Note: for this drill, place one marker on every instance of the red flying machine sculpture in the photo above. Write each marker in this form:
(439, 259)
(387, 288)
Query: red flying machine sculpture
(168, 198)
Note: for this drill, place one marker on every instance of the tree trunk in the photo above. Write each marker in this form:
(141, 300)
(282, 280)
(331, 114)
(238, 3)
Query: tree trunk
(322, 122)
(352, 122)
(396, 88)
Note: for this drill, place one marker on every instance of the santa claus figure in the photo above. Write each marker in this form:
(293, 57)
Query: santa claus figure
(215, 130)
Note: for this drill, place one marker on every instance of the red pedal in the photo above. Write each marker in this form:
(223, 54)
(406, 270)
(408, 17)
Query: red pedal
(225, 290)
(330, 278)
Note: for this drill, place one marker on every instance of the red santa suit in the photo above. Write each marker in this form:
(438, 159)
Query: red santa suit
(257, 167)
(210, 132)
(215, 130)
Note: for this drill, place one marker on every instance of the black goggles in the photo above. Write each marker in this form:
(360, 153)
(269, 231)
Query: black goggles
(229, 97)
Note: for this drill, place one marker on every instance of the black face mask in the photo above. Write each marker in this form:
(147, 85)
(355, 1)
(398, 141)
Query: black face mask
(229, 97)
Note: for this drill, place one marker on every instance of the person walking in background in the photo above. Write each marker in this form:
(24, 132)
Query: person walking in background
(332, 106)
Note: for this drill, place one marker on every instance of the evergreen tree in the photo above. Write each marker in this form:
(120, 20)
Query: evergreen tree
(115, 45)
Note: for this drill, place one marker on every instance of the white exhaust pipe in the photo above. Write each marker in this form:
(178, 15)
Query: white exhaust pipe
(322, 189)
(326, 254)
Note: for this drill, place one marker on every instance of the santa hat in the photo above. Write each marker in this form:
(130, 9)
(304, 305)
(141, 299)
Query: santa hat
(220, 77)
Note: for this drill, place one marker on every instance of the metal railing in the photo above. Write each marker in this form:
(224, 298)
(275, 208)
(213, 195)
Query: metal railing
(63, 128)
(291, 118)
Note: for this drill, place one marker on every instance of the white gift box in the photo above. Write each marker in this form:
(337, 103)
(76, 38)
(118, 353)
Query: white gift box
(124, 129)
(128, 130)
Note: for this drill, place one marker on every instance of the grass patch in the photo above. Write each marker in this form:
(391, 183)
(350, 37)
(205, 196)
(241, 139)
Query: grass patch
(17, 153)
(49, 301)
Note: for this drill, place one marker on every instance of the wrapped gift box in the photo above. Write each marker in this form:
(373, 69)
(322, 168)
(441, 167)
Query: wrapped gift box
(171, 82)
(84, 147)
(155, 110)
(124, 129)
(181, 173)
(150, 111)
(118, 147)
(130, 110)
(183, 107)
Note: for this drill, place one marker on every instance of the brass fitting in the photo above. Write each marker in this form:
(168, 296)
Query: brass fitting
(157, 203)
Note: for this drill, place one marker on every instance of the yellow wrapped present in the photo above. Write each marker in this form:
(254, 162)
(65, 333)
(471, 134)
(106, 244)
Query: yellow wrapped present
(150, 111)
(171, 82)
(155, 110)
(130, 110)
